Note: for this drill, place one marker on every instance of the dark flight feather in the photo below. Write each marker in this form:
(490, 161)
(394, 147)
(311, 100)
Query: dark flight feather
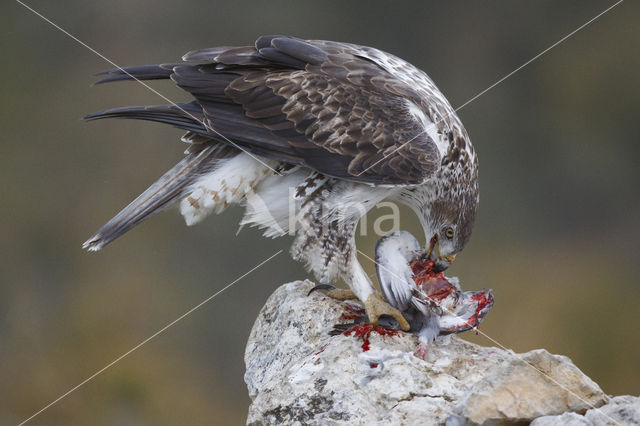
(314, 103)
(164, 192)
(142, 72)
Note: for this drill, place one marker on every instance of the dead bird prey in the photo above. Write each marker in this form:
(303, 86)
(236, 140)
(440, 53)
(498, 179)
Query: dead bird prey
(329, 128)
(433, 304)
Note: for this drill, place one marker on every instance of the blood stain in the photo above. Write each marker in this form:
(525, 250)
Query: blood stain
(363, 331)
(353, 312)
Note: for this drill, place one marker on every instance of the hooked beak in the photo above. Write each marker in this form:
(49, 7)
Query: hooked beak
(443, 263)
(433, 253)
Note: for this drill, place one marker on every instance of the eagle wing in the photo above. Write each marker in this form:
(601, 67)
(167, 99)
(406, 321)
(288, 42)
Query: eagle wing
(329, 106)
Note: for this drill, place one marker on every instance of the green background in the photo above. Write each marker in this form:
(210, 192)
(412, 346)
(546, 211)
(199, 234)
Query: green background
(556, 237)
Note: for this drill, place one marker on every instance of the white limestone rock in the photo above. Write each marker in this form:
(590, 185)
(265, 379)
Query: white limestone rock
(298, 374)
(621, 410)
(531, 385)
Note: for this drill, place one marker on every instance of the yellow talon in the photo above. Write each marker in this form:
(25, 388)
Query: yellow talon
(341, 294)
(376, 306)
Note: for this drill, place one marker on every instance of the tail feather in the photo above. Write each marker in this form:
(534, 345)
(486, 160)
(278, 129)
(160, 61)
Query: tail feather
(183, 116)
(143, 72)
(228, 121)
(164, 192)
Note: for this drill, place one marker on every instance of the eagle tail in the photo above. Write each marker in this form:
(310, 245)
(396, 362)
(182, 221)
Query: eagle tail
(143, 72)
(183, 116)
(161, 194)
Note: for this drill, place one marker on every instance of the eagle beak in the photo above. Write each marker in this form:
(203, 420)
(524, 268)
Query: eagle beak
(442, 263)
(449, 259)
(433, 253)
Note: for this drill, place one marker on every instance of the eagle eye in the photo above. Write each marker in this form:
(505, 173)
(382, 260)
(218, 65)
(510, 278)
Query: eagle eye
(449, 233)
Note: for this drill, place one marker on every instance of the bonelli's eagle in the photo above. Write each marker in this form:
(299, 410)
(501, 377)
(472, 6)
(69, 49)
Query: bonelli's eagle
(330, 128)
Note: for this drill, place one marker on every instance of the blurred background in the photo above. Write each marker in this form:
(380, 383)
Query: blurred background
(557, 236)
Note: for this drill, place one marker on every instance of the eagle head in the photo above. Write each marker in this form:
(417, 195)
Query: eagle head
(449, 224)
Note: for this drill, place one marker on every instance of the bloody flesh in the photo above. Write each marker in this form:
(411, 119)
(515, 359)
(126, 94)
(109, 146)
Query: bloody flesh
(434, 284)
(485, 300)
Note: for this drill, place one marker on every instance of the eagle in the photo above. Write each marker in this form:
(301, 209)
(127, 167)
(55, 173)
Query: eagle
(308, 135)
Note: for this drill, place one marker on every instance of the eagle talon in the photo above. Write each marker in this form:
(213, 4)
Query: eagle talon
(342, 294)
(334, 293)
(375, 306)
(319, 287)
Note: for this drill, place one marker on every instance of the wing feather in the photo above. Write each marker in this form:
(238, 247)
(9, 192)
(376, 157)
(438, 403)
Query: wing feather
(334, 107)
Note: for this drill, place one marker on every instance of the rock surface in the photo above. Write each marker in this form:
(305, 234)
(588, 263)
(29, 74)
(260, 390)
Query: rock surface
(297, 373)
(621, 410)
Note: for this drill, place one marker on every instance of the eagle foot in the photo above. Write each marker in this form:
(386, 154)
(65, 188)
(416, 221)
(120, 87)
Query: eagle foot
(375, 307)
(334, 293)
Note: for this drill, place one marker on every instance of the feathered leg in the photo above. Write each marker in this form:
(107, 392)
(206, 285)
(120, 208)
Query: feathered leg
(325, 241)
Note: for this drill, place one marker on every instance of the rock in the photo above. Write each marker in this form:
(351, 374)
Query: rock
(621, 410)
(545, 384)
(297, 373)
(565, 419)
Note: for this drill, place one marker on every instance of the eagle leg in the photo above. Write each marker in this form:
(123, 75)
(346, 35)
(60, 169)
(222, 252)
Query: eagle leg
(375, 307)
(342, 294)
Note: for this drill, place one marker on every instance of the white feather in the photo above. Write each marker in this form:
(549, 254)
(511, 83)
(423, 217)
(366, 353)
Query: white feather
(393, 253)
(430, 128)
(272, 203)
(227, 184)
